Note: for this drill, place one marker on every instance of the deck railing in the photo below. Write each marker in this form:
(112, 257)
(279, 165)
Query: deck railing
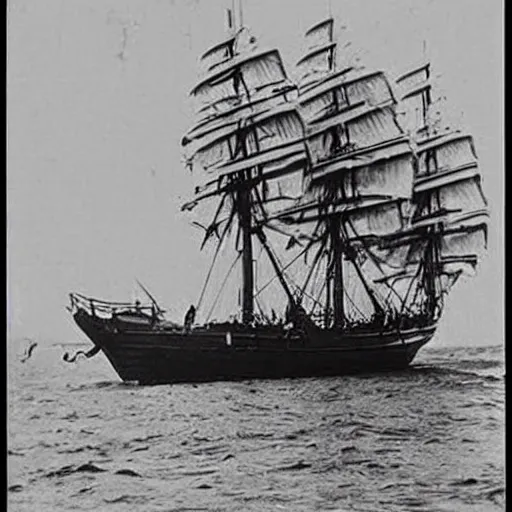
(98, 307)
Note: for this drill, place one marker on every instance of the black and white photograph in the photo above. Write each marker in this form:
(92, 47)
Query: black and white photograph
(255, 255)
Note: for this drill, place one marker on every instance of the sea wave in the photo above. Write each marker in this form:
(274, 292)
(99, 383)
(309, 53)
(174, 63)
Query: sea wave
(427, 438)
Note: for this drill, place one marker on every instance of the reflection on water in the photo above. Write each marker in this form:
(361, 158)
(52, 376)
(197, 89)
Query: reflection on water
(428, 438)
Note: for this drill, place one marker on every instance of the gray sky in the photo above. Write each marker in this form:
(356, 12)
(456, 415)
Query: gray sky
(96, 106)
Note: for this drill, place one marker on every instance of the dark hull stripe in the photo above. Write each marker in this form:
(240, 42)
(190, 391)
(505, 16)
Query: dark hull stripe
(157, 358)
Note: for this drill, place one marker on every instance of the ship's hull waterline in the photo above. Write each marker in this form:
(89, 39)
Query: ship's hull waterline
(165, 357)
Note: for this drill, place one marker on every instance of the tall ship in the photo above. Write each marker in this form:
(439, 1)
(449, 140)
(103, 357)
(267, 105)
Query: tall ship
(349, 214)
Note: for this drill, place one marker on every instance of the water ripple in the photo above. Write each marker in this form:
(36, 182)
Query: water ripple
(427, 438)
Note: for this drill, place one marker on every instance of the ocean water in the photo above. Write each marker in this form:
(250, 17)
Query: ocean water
(430, 438)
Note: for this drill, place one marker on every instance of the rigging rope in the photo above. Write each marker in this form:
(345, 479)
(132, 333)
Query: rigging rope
(222, 286)
(318, 255)
(420, 268)
(262, 313)
(377, 261)
(210, 270)
(316, 301)
(288, 265)
(354, 304)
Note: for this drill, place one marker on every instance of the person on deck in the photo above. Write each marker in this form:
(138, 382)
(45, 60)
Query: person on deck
(189, 318)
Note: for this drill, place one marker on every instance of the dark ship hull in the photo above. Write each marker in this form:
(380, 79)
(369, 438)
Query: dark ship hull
(149, 355)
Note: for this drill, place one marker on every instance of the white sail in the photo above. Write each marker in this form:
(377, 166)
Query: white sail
(377, 219)
(414, 91)
(413, 78)
(445, 152)
(324, 85)
(218, 53)
(242, 75)
(316, 63)
(217, 121)
(363, 127)
(235, 142)
(377, 126)
(357, 303)
(372, 87)
(391, 177)
(458, 195)
(363, 157)
(343, 91)
(412, 114)
(464, 241)
(320, 34)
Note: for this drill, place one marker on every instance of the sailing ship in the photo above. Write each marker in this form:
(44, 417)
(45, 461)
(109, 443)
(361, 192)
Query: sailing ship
(377, 221)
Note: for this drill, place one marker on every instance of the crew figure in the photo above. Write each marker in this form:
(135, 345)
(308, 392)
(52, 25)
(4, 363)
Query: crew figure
(189, 318)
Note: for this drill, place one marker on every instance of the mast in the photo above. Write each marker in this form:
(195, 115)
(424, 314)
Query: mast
(245, 219)
(418, 86)
(248, 138)
(243, 205)
(273, 260)
(432, 248)
(337, 254)
(449, 205)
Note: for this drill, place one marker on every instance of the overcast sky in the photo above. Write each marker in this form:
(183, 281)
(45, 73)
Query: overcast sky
(96, 106)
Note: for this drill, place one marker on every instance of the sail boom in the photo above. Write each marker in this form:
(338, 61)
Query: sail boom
(464, 194)
(219, 53)
(261, 133)
(450, 218)
(213, 49)
(418, 69)
(293, 148)
(335, 80)
(324, 84)
(445, 177)
(463, 241)
(438, 141)
(417, 89)
(314, 53)
(471, 259)
(343, 116)
(472, 218)
(337, 207)
(366, 129)
(369, 156)
(420, 235)
(230, 127)
(361, 156)
(391, 177)
(283, 167)
(211, 110)
(440, 216)
(235, 114)
(401, 274)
